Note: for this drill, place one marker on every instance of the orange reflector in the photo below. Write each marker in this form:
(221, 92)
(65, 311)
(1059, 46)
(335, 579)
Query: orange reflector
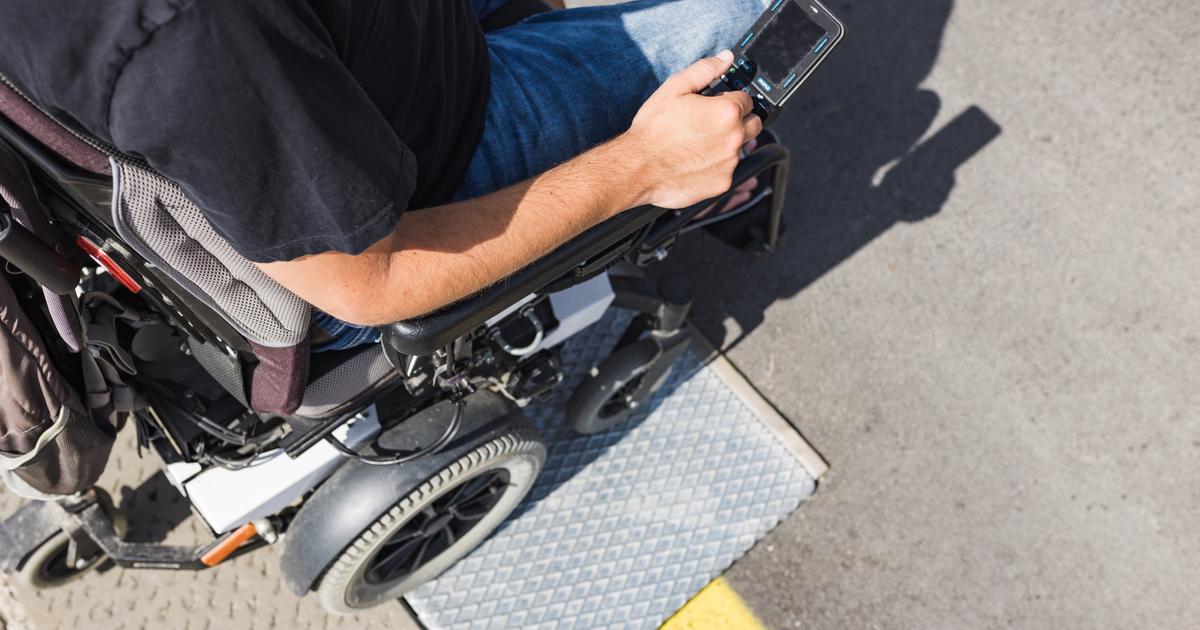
(106, 261)
(227, 545)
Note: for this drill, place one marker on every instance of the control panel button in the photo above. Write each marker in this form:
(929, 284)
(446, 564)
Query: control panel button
(747, 66)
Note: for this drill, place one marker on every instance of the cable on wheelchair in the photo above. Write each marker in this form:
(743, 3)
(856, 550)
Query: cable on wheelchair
(242, 463)
(449, 434)
(204, 423)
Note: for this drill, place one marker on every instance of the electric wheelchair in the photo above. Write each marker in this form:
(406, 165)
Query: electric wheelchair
(376, 467)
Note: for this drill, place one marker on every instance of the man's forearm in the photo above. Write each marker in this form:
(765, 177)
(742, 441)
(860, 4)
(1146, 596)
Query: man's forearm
(440, 255)
(680, 148)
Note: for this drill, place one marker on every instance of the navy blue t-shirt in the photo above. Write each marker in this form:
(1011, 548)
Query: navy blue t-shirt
(297, 126)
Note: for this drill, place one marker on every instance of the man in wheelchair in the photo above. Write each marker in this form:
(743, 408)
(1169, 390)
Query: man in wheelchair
(384, 159)
(221, 169)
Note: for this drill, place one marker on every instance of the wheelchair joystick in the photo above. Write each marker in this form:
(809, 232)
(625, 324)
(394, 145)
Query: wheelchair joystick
(740, 76)
(779, 52)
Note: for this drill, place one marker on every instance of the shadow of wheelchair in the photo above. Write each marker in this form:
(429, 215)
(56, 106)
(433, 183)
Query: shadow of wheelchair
(863, 160)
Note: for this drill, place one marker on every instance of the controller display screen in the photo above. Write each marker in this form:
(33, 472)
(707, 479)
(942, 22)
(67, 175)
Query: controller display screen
(784, 42)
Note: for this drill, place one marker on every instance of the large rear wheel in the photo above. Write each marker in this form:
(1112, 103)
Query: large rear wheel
(436, 524)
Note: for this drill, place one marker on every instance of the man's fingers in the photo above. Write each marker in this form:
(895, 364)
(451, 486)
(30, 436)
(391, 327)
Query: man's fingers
(742, 99)
(699, 75)
(752, 125)
(748, 148)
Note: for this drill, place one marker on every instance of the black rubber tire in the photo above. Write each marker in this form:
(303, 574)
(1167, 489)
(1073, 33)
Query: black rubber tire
(518, 453)
(593, 408)
(45, 567)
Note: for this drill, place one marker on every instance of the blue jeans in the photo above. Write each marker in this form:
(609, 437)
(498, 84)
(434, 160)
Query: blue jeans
(565, 81)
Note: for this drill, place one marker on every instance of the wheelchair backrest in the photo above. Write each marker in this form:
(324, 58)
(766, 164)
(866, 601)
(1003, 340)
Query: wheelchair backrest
(161, 224)
(157, 221)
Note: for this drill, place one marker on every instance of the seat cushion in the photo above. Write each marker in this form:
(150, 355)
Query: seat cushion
(352, 373)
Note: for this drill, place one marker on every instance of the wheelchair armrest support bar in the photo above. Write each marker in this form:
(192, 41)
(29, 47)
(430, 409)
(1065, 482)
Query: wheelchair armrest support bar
(34, 257)
(424, 335)
(772, 157)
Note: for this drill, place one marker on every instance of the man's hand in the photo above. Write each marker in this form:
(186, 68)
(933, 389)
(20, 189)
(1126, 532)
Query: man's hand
(681, 149)
(691, 142)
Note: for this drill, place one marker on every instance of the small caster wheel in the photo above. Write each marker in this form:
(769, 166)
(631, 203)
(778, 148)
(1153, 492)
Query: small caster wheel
(47, 566)
(623, 383)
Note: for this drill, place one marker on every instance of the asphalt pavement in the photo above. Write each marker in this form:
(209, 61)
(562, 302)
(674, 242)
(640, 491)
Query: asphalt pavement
(986, 316)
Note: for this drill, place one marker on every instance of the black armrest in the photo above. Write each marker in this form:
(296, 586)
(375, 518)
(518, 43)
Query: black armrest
(424, 335)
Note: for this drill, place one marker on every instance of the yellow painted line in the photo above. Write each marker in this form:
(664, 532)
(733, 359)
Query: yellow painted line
(715, 606)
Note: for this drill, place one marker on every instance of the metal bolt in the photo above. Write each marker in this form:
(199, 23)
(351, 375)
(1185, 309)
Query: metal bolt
(660, 253)
(266, 530)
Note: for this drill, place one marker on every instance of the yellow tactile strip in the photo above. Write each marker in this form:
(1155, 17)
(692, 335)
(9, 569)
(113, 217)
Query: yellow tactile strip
(715, 606)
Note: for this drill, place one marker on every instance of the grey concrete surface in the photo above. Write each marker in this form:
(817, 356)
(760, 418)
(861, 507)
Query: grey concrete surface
(1001, 360)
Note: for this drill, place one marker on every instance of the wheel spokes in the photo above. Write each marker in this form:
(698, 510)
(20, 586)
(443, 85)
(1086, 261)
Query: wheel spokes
(420, 554)
(486, 492)
(467, 517)
(437, 527)
(396, 558)
(458, 492)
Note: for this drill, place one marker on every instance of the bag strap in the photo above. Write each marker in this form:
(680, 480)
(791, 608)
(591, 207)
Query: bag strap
(17, 191)
(13, 462)
(102, 311)
(106, 361)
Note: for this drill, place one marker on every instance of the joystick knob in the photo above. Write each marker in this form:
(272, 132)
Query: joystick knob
(748, 67)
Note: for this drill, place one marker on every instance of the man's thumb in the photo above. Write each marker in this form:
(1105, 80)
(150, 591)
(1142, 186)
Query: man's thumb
(699, 75)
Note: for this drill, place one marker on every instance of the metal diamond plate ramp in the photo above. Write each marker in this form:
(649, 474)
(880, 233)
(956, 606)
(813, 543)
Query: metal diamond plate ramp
(624, 527)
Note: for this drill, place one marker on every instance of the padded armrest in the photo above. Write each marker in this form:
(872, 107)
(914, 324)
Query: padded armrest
(424, 335)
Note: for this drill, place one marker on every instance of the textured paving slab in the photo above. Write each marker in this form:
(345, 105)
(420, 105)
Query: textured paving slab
(621, 530)
(12, 613)
(624, 527)
(245, 593)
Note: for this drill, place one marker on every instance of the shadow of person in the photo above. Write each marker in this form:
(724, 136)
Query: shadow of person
(154, 509)
(859, 165)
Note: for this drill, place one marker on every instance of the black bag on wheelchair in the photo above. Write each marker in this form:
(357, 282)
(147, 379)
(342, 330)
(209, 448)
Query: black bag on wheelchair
(57, 407)
(49, 440)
